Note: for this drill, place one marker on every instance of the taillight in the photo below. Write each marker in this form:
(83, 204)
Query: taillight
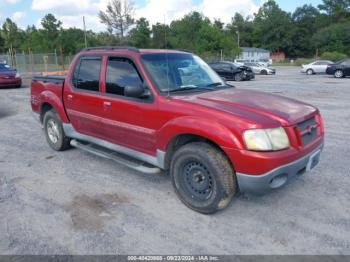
(319, 121)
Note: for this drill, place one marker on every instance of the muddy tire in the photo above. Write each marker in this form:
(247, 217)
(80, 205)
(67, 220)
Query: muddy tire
(54, 132)
(203, 177)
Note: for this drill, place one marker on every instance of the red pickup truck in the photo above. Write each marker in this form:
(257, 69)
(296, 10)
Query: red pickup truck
(156, 110)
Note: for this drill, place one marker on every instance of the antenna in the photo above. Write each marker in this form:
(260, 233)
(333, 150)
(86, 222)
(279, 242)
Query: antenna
(85, 32)
(167, 58)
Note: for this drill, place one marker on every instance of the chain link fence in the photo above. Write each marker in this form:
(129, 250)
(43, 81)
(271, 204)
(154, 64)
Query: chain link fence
(29, 64)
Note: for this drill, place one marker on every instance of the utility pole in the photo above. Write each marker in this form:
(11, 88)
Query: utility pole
(238, 38)
(85, 31)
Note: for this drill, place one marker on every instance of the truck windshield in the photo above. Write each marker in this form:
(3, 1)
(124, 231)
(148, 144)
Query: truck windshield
(176, 72)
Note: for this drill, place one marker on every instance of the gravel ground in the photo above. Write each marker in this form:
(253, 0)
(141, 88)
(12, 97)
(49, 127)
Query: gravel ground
(77, 203)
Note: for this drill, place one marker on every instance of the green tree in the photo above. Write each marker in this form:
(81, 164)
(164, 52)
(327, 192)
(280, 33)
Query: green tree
(33, 40)
(338, 10)
(195, 32)
(11, 34)
(71, 40)
(334, 38)
(184, 32)
(305, 25)
(273, 28)
(141, 35)
(243, 27)
(160, 36)
(51, 30)
(2, 43)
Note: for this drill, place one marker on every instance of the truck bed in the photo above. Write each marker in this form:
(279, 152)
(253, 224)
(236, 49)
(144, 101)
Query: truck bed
(46, 87)
(49, 79)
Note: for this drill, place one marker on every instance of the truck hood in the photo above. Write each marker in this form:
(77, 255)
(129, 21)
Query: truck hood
(255, 104)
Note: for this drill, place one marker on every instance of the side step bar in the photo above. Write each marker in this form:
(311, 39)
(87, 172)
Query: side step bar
(120, 159)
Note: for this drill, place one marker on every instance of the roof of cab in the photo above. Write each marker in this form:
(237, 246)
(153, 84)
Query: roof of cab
(132, 49)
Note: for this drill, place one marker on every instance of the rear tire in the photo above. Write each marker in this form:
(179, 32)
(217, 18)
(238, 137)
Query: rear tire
(54, 132)
(338, 74)
(238, 77)
(309, 72)
(202, 177)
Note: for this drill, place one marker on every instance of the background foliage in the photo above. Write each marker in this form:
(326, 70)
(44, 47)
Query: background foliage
(306, 32)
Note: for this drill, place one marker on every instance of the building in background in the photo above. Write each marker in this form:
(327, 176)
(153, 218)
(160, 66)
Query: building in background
(278, 56)
(253, 54)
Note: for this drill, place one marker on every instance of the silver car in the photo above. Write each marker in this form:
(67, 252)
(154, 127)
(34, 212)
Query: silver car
(261, 69)
(317, 67)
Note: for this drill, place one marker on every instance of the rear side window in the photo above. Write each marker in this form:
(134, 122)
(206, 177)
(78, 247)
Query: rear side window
(346, 63)
(87, 74)
(227, 67)
(120, 73)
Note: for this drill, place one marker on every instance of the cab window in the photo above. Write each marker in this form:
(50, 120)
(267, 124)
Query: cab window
(87, 74)
(120, 73)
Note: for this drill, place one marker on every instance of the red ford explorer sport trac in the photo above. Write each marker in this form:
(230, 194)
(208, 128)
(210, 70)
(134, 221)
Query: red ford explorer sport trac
(154, 110)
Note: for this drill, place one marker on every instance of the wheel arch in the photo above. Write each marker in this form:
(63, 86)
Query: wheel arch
(49, 101)
(44, 108)
(181, 140)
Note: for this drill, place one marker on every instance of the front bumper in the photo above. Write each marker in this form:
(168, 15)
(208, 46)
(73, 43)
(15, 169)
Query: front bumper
(249, 76)
(10, 82)
(280, 176)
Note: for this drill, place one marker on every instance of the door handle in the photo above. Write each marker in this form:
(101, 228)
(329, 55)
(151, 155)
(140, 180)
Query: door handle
(70, 97)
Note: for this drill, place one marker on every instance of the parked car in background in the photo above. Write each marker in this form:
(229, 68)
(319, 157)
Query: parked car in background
(316, 67)
(265, 63)
(261, 69)
(9, 76)
(339, 69)
(232, 71)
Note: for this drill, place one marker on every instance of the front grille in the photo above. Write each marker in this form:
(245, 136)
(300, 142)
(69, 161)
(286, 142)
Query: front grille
(308, 130)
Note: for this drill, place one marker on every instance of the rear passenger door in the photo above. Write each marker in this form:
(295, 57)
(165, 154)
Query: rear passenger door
(226, 71)
(82, 98)
(128, 122)
(320, 67)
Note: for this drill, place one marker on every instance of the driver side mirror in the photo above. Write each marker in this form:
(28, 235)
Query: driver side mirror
(137, 91)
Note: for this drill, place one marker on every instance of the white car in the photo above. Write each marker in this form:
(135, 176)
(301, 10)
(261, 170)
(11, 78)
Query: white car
(260, 69)
(317, 67)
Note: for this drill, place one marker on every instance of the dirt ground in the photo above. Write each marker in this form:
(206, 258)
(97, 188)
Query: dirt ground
(77, 203)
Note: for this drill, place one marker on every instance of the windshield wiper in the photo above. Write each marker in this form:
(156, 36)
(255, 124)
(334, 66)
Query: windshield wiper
(190, 87)
(215, 84)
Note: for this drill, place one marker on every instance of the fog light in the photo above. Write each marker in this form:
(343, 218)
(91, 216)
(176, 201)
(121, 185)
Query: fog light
(278, 181)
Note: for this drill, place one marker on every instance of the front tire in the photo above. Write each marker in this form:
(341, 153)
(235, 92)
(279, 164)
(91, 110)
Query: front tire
(339, 74)
(263, 72)
(238, 77)
(203, 177)
(310, 72)
(54, 132)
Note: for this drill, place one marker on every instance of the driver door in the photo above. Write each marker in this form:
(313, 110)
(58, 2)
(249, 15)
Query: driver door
(129, 122)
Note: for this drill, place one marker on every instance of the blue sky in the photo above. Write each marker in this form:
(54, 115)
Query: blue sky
(28, 12)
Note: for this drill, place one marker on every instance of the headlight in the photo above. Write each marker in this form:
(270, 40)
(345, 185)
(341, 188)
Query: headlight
(266, 139)
(18, 75)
